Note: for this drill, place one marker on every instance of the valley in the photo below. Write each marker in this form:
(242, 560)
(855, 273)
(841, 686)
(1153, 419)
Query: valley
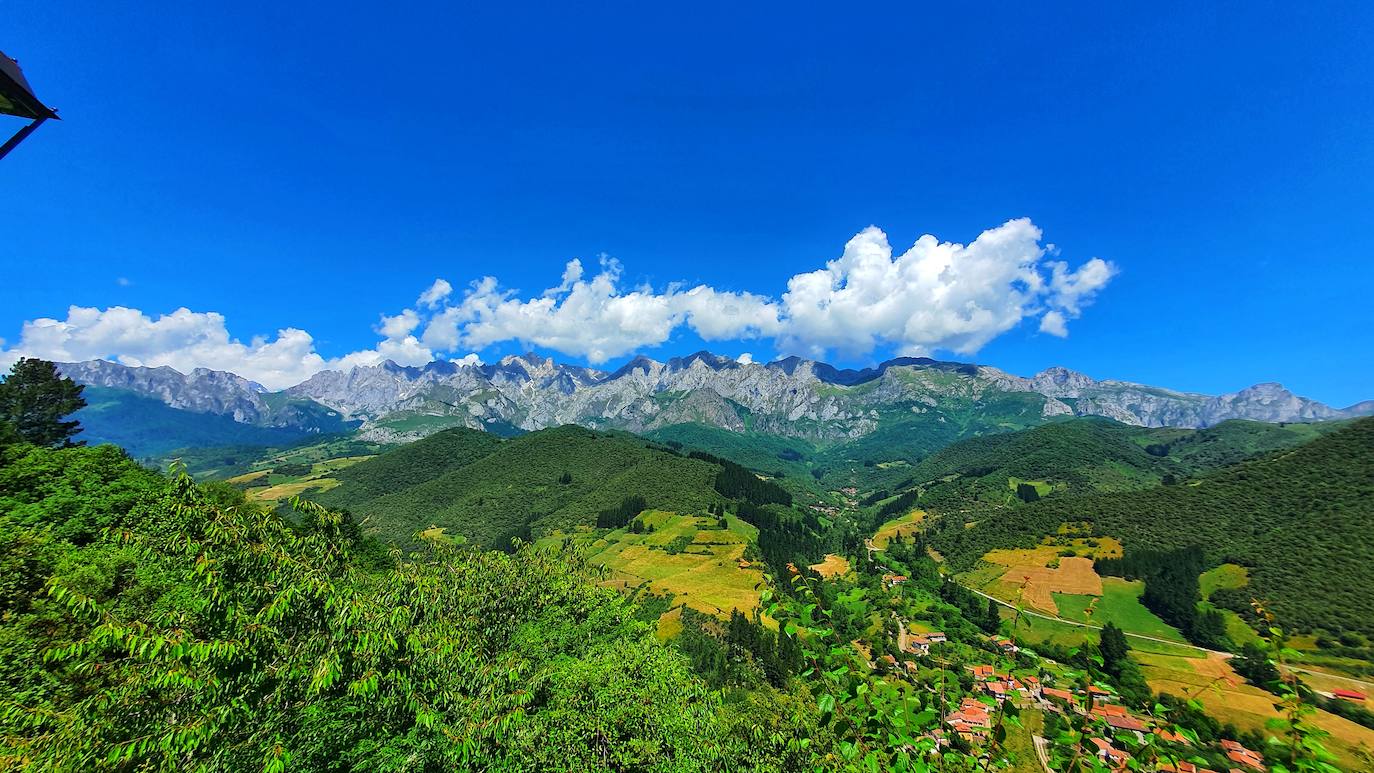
(981, 579)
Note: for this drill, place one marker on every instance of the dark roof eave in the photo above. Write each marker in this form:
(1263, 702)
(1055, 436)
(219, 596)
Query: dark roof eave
(16, 90)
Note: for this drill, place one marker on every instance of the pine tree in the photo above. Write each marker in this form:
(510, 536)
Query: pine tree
(34, 399)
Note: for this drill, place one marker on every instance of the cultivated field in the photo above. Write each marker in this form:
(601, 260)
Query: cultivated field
(267, 486)
(833, 566)
(1033, 630)
(709, 574)
(1036, 574)
(1119, 604)
(1229, 698)
(287, 490)
(903, 526)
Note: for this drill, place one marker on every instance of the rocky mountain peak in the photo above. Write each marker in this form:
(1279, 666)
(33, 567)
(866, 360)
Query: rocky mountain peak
(791, 396)
(1058, 381)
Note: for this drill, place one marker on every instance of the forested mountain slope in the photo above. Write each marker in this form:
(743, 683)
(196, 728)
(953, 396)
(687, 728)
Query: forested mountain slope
(1299, 519)
(412, 464)
(147, 624)
(148, 428)
(1087, 455)
(521, 487)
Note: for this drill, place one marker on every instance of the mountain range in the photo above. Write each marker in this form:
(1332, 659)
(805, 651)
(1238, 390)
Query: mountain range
(792, 397)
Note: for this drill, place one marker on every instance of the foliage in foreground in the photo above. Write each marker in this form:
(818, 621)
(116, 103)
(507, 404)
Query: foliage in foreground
(176, 627)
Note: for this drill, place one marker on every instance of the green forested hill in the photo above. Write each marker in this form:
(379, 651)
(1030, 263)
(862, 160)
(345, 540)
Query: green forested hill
(148, 428)
(1232, 441)
(1299, 519)
(757, 451)
(522, 487)
(1090, 455)
(411, 464)
(904, 435)
(1075, 456)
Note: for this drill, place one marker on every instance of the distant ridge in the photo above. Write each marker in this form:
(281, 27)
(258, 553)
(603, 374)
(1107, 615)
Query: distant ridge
(792, 397)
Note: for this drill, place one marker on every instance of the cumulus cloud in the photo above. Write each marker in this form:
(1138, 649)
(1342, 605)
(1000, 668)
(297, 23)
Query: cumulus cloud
(933, 296)
(400, 325)
(186, 340)
(470, 359)
(1054, 323)
(436, 294)
(595, 317)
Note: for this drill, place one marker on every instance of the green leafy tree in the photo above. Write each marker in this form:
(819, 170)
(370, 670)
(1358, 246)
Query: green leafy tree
(1114, 648)
(199, 631)
(34, 400)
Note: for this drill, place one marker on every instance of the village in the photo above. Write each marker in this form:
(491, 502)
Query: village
(981, 679)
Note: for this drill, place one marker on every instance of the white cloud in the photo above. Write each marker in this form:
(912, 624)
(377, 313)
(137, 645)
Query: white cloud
(400, 325)
(745, 359)
(596, 318)
(1071, 290)
(123, 281)
(470, 358)
(934, 296)
(436, 293)
(1054, 323)
(186, 340)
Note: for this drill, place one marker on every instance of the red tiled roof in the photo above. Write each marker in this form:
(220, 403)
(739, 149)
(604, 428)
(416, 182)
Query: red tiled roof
(1126, 723)
(1246, 757)
(1172, 737)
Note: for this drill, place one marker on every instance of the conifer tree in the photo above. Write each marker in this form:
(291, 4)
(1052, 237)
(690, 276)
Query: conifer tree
(34, 400)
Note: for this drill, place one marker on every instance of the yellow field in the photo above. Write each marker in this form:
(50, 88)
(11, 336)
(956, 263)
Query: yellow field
(287, 490)
(1029, 575)
(903, 526)
(257, 488)
(710, 575)
(247, 477)
(670, 624)
(331, 465)
(1324, 682)
(1227, 697)
(833, 566)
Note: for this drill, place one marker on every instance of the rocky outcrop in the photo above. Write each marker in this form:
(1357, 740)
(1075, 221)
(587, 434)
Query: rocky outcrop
(201, 390)
(793, 396)
(207, 391)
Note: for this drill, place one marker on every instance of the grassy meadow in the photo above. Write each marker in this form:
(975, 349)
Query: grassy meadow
(708, 571)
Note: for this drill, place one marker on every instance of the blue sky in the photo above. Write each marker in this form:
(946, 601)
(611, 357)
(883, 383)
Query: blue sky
(314, 167)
